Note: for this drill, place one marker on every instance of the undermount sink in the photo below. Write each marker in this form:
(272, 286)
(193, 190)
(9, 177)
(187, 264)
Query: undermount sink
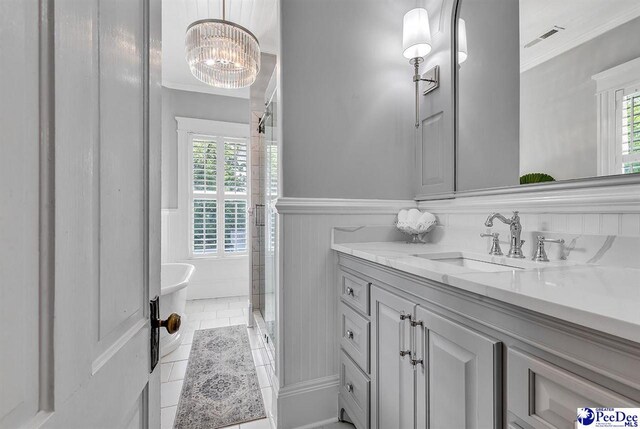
(471, 262)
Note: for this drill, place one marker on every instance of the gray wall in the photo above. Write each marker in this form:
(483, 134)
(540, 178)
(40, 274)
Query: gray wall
(191, 105)
(488, 126)
(558, 125)
(347, 100)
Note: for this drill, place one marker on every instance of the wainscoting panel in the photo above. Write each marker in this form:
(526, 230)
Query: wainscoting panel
(311, 293)
(309, 321)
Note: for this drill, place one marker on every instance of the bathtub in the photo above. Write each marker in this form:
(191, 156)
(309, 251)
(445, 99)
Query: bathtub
(174, 279)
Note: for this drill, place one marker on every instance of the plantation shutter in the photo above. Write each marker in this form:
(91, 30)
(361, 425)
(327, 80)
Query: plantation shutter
(235, 166)
(631, 133)
(219, 212)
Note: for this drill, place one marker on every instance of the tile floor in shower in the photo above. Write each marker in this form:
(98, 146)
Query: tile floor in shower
(205, 314)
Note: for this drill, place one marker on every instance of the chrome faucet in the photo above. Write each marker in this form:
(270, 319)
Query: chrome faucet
(515, 227)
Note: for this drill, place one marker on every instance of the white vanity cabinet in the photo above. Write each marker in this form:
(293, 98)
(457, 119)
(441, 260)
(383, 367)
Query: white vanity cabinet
(392, 374)
(355, 336)
(458, 384)
(544, 395)
(428, 371)
(419, 354)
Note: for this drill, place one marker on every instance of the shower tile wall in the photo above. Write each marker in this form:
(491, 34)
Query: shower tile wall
(257, 200)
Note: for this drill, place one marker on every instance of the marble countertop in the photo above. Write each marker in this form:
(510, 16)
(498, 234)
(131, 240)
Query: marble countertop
(602, 298)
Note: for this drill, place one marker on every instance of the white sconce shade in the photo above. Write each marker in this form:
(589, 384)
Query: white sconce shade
(416, 35)
(462, 41)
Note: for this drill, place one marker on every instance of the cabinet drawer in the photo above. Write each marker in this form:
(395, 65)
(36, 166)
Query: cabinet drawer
(546, 396)
(354, 391)
(354, 336)
(355, 291)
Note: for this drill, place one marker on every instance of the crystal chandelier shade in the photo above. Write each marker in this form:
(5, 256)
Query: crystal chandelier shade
(222, 54)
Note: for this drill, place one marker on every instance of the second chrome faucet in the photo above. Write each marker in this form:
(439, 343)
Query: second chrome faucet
(515, 228)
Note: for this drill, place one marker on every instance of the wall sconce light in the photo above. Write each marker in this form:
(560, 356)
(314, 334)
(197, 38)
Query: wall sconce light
(416, 43)
(462, 41)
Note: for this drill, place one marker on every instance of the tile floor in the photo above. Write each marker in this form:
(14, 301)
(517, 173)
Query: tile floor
(205, 314)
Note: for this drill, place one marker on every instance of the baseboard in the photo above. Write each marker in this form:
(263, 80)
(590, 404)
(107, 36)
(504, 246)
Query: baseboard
(319, 424)
(308, 404)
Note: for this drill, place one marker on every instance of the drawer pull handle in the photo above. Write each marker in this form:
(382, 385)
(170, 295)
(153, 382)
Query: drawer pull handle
(349, 387)
(416, 323)
(414, 362)
(405, 316)
(349, 291)
(404, 353)
(349, 334)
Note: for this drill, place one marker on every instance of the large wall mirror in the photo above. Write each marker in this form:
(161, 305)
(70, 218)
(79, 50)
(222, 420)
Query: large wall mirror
(547, 90)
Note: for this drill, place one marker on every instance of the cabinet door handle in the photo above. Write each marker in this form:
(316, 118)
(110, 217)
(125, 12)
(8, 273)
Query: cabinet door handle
(405, 316)
(404, 353)
(414, 334)
(349, 291)
(349, 387)
(349, 334)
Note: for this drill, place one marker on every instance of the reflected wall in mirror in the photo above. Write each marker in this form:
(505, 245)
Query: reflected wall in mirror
(548, 86)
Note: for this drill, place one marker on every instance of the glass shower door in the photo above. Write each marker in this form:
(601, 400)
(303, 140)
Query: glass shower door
(271, 161)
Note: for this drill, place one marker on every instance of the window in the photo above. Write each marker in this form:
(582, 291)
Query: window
(618, 119)
(219, 193)
(630, 134)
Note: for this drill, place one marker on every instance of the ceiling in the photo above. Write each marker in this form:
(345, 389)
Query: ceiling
(582, 19)
(258, 16)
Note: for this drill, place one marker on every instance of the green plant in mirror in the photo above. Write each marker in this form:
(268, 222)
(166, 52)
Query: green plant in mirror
(535, 178)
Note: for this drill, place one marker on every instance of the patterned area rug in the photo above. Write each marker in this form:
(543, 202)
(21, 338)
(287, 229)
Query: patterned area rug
(221, 385)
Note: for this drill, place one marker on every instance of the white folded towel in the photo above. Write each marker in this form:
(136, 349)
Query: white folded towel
(426, 219)
(414, 221)
(413, 216)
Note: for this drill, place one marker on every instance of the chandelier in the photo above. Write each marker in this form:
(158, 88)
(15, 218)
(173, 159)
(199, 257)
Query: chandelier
(221, 53)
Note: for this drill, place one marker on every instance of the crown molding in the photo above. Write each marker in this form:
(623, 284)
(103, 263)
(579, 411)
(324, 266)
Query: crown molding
(567, 45)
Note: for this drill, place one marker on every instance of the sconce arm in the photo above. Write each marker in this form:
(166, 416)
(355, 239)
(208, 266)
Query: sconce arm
(417, 78)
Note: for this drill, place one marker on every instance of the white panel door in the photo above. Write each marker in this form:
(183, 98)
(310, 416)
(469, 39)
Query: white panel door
(392, 375)
(459, 383)
(79, 224)
(19, 212)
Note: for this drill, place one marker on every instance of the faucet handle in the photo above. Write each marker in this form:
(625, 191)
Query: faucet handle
(495, 235)
(542, 238)
(495, 243)
(541, 254)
